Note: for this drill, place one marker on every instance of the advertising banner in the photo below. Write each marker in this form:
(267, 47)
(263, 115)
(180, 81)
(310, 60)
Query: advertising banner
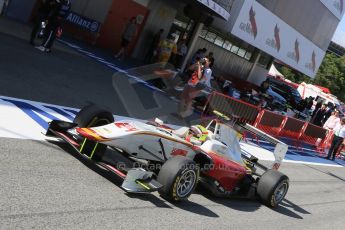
(83, 22)
(215, 7)
(335, 6)
(264, 30)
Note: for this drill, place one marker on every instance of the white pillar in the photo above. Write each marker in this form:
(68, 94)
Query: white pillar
(195, 37)
(254, 65)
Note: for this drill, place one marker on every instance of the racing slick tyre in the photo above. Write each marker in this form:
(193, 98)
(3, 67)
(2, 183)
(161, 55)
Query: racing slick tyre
(179, 176)
(272, 188)
(92, 116)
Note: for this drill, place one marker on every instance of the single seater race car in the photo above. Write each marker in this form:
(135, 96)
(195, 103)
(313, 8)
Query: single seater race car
(173, 161)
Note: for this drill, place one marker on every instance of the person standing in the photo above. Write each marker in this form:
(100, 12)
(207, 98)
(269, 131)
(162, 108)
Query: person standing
(59, 11)
(199, 54)
(181, 53)
(128, 34)
(166, 48)
(328, 113)
(211, 58)
(319, 116)
(332, 121)
(199, 80)
(338, 138)
(42, 16)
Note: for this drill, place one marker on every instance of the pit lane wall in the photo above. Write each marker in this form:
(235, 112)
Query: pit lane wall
(274, 124)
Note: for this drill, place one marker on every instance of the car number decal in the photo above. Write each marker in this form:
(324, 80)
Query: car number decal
(126, 127)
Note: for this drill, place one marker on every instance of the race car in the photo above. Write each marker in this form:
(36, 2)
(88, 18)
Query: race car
(173, 161)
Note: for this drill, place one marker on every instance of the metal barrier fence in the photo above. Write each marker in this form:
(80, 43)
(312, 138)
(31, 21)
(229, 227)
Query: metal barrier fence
(292, 128)
(269, 122)
(272, 123)
(231, 107)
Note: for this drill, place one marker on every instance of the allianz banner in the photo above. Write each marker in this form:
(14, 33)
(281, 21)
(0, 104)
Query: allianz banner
(83, 22)
(266, 31)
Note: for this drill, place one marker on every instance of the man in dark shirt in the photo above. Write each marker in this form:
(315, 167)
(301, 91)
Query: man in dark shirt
(58, 12)
(318, 118)
(42, 16)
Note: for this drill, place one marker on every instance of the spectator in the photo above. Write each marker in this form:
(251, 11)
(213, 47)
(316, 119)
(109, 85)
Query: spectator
(154, 45)
(42, 16)
(59, 11)
(199, 54)
(332, 121)
(319, 116)
(200, 80)
(303, 105)
(211, 58)
(328, 113)
(128, 34)
(317, 107)
(166, 48)
(181, 53)
(310, 102)
(264, 86)
(338, 138)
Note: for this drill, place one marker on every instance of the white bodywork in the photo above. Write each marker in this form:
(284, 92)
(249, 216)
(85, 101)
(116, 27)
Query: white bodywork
(150, 142)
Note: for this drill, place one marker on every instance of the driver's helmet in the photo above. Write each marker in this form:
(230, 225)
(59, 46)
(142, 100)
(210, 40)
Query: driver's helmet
(199, 132)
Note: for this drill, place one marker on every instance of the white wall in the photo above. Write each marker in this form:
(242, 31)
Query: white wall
(162, 15)
(258, 75)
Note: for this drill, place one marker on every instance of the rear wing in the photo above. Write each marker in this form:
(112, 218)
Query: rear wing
(280, 148)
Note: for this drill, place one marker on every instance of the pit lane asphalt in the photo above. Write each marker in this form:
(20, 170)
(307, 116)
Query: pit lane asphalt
(45, 187)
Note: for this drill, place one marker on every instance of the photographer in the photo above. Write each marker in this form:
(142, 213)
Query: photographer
(199, 80)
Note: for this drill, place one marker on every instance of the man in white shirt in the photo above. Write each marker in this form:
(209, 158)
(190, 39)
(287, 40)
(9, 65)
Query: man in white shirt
(338, 138)
(332, 121)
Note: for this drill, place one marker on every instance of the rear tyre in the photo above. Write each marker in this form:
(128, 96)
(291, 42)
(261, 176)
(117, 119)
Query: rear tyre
(272, 188)
(93, 116)
(179, 176)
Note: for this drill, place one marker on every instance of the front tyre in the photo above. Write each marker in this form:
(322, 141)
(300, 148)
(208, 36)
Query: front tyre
(179, 176)
(272, 188)
(93, 116)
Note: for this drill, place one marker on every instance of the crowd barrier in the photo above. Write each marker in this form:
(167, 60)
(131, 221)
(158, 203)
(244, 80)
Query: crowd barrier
(277, 125)
(269, 122)
(230, 106)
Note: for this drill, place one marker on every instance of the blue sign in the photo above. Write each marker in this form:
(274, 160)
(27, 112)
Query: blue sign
(83, 22)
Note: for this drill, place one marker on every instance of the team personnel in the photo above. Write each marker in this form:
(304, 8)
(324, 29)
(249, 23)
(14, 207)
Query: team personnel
(42, 16)
(58, 12)
(338, 138)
